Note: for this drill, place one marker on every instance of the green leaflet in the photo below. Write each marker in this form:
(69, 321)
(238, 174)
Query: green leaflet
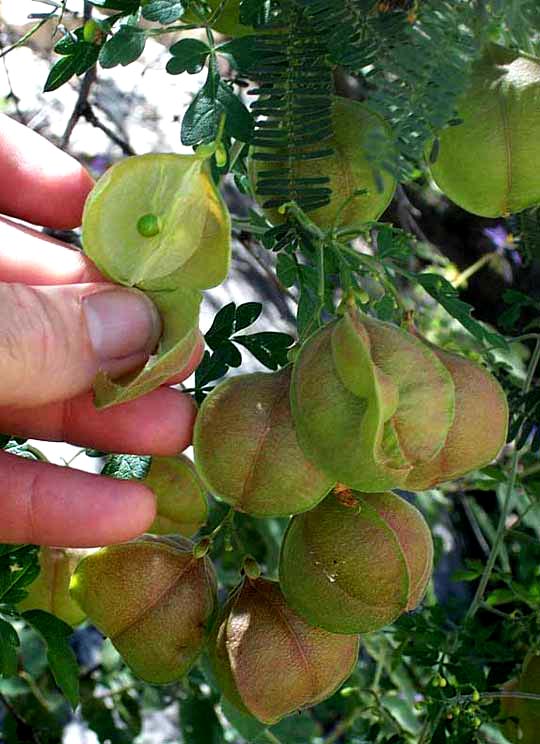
(179, 311)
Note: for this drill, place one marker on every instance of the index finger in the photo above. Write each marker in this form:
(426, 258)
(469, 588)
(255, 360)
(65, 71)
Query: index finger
(38, 182)
(51, 505)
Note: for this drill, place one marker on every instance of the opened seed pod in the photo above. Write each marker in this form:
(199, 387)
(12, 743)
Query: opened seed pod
(50, 590)
(158, 222)
(153, 599)
(247, 452)
(348, 170)
(370, 402)
(182, 507)
(268, 661)
(356, 562)
(488, 163)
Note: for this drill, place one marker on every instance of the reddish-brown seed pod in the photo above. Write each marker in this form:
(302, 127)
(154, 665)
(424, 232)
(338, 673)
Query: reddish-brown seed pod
(268, 661)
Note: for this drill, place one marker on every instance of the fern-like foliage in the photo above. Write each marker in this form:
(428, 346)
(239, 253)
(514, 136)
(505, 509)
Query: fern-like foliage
(293, 110)
(413, 62)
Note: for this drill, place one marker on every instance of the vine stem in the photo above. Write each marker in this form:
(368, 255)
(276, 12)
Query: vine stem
(472, 269)
(269, 736)
(501, 527)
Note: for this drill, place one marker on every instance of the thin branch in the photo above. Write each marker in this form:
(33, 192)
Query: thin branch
(80, 107)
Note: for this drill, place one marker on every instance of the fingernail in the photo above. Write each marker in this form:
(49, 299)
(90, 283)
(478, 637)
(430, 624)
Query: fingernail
(121, 322)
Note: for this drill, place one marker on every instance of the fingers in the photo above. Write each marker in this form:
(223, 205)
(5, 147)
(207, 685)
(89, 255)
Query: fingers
(29, 257)
(50, 505)
(53, 340)
(40, 183)
(160, 423)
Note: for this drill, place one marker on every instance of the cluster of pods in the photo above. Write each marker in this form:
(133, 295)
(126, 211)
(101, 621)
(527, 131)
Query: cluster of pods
(366, 407)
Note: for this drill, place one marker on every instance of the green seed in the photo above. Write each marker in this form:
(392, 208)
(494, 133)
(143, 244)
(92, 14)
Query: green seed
(149, 225)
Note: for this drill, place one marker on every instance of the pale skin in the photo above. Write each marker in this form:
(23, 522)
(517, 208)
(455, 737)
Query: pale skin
(48, 360)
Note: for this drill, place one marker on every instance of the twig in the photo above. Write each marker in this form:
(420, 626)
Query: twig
(80, 107)
(26, 36)
(465, 502)
(92, 119)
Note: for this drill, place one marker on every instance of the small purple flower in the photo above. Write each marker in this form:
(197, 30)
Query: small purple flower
(498, 235)
(503, 241)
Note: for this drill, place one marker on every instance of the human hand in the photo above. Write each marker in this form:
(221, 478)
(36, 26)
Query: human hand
(60, 322)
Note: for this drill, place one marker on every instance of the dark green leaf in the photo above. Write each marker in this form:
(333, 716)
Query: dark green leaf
(9, 644)
(239, 123)
(56, 634)
(127, 467)
(246, 314)
(68, 43)
(124, 47)
(189, 55)
(60, 73)
(104, 723)
(222, 326)
(268, 347)
(230, 354)
(211, 368)
(202, 119)
(18, 568)
(243, 50)
(163, 11)
(81, 56)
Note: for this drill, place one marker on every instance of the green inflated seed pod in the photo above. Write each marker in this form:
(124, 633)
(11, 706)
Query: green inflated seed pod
(246, 449)
(154, 599)
(370, 402)
(348, 169)
(478, 431)
(181, 503)
(356, 562)
(488, 163)
(523, 715)
(158, 222)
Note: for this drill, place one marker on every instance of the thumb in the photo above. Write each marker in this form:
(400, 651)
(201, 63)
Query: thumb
(53, 340)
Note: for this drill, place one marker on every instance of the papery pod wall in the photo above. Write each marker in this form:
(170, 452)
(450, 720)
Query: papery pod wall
(153, 599)
(181, 503)
(268, 661)
(356, 562)
(50, 590)
(247, 452)
(488, 162)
